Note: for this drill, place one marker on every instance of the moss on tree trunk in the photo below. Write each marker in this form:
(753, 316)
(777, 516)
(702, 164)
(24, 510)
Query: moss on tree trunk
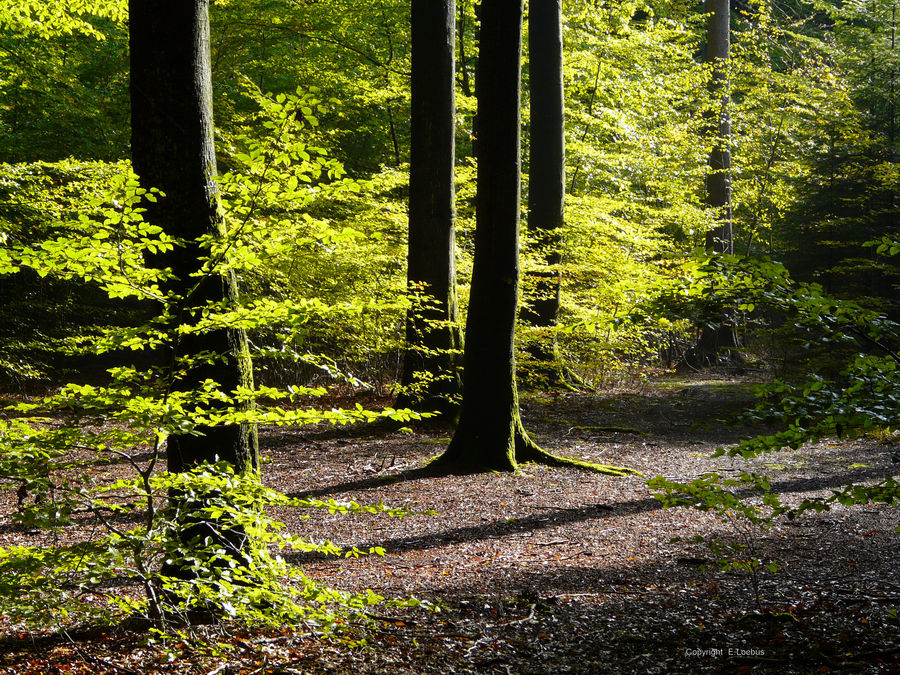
(172, 150)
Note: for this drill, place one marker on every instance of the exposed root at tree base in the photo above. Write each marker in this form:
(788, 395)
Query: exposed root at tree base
(529, 451)
(538, 456)
(526, 452)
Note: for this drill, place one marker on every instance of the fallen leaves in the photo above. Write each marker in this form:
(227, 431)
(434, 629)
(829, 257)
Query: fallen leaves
(551, 570)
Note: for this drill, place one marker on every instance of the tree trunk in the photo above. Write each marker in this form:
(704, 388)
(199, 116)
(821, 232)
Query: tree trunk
(432, 331)
(490, 427)
(546, 176)
(172, 149)
(490, 435)
(718, 345)
(464, 81)
(465, 60)
(718, 182)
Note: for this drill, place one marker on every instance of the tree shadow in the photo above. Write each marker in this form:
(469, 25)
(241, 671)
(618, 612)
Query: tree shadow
(674, 412)
(127, 518)
(659, 615)
(426, 471)
(379, 428)
(550, 517)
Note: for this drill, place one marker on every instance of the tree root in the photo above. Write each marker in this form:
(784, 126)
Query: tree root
(528, 451)
(525, 451)
(609, 429)
(605, 469)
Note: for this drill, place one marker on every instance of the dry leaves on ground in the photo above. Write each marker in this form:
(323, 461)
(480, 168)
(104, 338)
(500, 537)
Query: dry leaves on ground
(562, 571)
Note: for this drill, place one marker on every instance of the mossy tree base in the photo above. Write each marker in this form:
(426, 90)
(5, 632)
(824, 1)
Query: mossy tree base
(474, 452)
(539, 456)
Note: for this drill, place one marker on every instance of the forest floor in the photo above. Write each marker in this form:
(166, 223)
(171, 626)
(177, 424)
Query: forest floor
(562, 571)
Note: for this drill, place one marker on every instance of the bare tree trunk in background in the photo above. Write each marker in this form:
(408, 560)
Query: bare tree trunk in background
(432, 332)
(546, 178)
(718, 344)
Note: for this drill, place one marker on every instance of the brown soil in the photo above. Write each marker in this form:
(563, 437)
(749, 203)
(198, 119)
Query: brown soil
(562, 571)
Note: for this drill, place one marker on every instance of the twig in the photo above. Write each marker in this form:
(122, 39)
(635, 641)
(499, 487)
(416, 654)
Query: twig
(866, 597)
(274, 640)
(389, 619)
(425, 634)
(856, 331)
(609, 592)
(608, 429)
(575, 555)
(755, 659)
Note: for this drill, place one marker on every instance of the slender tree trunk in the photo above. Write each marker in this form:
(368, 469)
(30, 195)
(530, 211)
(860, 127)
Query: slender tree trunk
(892, 109)
(718, 182)
(172, 149)
(463, 59)
(546, 174)
(718, 345)
(490, 435)
(432, 331)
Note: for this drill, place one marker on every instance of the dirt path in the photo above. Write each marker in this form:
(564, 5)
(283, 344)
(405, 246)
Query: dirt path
(561, 571)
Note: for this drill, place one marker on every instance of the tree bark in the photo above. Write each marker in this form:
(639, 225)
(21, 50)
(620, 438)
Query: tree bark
(718, 345)
(465, 60)
(172, 150)
(718, 182)
(464, 81)
(490, 427)
(490, 435)
(546, 176)
(432, 331)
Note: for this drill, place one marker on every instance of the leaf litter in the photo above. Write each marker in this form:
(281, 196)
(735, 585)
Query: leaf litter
(557, 570)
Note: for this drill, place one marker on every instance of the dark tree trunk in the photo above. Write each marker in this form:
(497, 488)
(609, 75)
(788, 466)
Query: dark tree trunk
(464, 81)
(172, 149)
(546, 174)
(432, 331)
(490, 428)
(718, 345)
(490, 435)
(466, 59)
